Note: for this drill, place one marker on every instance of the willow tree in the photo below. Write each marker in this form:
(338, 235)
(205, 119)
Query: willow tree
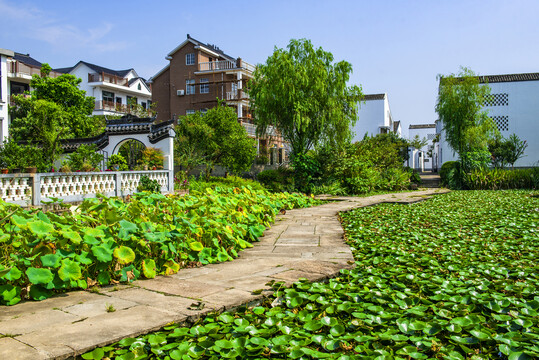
(302, 93)
(467, 127)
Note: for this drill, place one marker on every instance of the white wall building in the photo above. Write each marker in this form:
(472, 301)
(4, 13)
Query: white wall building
(374, 117)
(113, 90)
(4, 93)
(419, 158)
(514, 107)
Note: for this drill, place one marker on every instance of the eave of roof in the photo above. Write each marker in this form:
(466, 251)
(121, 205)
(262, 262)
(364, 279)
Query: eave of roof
(374, 97)
(422, 126)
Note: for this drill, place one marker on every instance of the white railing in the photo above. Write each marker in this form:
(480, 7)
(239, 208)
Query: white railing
(32, 189)
(247, 66)
(216, 65)
(236, 95)
(251, 129)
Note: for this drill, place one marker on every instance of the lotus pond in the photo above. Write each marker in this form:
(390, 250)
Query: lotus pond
(454, 277)
(109, 241)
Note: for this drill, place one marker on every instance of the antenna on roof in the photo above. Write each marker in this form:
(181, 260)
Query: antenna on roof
(188, 36)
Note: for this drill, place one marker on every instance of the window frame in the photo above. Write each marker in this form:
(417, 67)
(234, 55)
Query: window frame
(204, 86)
(190, 59)
(190, 87)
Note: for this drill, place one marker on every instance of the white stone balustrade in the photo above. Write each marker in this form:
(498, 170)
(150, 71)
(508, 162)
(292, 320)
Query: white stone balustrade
(32, 189)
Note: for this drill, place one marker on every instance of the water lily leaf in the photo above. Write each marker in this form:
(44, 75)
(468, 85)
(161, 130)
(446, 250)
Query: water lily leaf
(39, 276)
(94, 232)
(70, 270)
(149, 268)
(102, 253)
(128, 226)
(40, 228)
(50, 260)
(12, 274)
(72, 236)
(313, 325)
(196, 246)
(9, 294)
(124, 254)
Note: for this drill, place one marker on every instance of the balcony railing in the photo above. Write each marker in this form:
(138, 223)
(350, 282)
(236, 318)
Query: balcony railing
(251, 129)
(108, 78)
(236, 95)
(225, 65)
(112, 106)
(16, 68)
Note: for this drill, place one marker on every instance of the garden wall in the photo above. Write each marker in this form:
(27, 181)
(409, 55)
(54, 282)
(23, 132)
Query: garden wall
(32, 189)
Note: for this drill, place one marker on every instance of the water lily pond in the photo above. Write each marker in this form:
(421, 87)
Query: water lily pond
(454, 277)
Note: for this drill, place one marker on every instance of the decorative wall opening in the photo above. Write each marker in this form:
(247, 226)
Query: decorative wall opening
(131, 150)
(497, 100)
(502, 122)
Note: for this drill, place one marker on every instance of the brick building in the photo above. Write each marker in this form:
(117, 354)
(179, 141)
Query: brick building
(199, 74)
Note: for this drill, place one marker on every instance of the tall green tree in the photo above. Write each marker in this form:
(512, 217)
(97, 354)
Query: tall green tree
(301, 92)
(467, 127)
(214, 138)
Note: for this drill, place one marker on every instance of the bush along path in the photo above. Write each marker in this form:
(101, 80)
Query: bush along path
(303, 243)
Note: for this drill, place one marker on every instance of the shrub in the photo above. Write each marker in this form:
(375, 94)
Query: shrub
(306, 172)
(445, 169)
(279, 180)
(414, 175)
(117, 160)
(153, 158)
(497, 179)
(85, 158)
(147, 184)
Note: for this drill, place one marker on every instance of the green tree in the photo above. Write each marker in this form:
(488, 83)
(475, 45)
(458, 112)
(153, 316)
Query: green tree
(63, 91)
(214, 138)
(467, 127)
(304, 95)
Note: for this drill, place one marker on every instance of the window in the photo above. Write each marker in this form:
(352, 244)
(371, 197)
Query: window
(204, 86)
(108, 97)
(203, 111)
(497, 100)
(143, 104)
(119, 100)
(190, 59)
(189, 112)
(189, 87)
(139, 87)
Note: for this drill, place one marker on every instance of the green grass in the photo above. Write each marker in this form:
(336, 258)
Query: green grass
(454, 277)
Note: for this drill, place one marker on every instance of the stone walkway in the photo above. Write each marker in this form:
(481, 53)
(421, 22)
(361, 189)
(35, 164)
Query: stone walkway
(303, 243)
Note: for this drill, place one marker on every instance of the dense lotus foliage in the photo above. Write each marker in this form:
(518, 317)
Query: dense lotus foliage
(108, 240)
(454, 277)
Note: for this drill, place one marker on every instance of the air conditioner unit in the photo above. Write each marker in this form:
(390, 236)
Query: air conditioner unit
(180, 92)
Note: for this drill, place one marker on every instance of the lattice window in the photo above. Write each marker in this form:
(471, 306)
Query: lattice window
(431, 136)
(502, 122)
(497, 100)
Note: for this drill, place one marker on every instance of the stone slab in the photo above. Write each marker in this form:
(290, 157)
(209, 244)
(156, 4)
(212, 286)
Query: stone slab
(187, 288)
(36, 322)
(13, 349)
(97, 307)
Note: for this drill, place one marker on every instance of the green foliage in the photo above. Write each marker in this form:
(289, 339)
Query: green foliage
(375, 163)
(153, 158)
(85, 158)
(15, 156)
(201, 185)
(117, 162)
(108, 239)
(450, 278)
(506, 150)
(446, 169)
(213, 138)
(147, 184)
(301, 92)
(477, 159)
(306, 172)
(278, 180)
(496, 179)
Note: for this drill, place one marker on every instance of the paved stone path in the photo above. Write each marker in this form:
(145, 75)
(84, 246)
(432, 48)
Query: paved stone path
(303, 243)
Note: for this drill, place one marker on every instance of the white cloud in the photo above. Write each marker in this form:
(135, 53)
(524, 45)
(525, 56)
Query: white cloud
(46, 27)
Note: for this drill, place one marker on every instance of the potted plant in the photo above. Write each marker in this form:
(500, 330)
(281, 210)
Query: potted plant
(117, 163)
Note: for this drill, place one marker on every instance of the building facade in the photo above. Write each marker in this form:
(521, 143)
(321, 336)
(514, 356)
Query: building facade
(374, 117)
(423, 159)
(514, 108)
(199, 75)
(115, 91)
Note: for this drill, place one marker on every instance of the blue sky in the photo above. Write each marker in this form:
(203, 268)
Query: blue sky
(398, 47)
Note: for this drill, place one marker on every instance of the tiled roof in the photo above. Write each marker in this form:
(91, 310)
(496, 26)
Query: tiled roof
(509, 78)
(422, 126)
(374, 97)
(396, 125)
(98, 69)
(27, 59)
(212, 48)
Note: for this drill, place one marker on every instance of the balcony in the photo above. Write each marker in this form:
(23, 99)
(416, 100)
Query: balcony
(104, 105)
(225, 65)
(108, 78)
(236, 95)
(17, 69)
(251, 129)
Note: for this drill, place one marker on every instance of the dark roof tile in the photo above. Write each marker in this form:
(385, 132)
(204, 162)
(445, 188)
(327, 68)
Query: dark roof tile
(27, 59)
(422, 126)
(374, 97)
